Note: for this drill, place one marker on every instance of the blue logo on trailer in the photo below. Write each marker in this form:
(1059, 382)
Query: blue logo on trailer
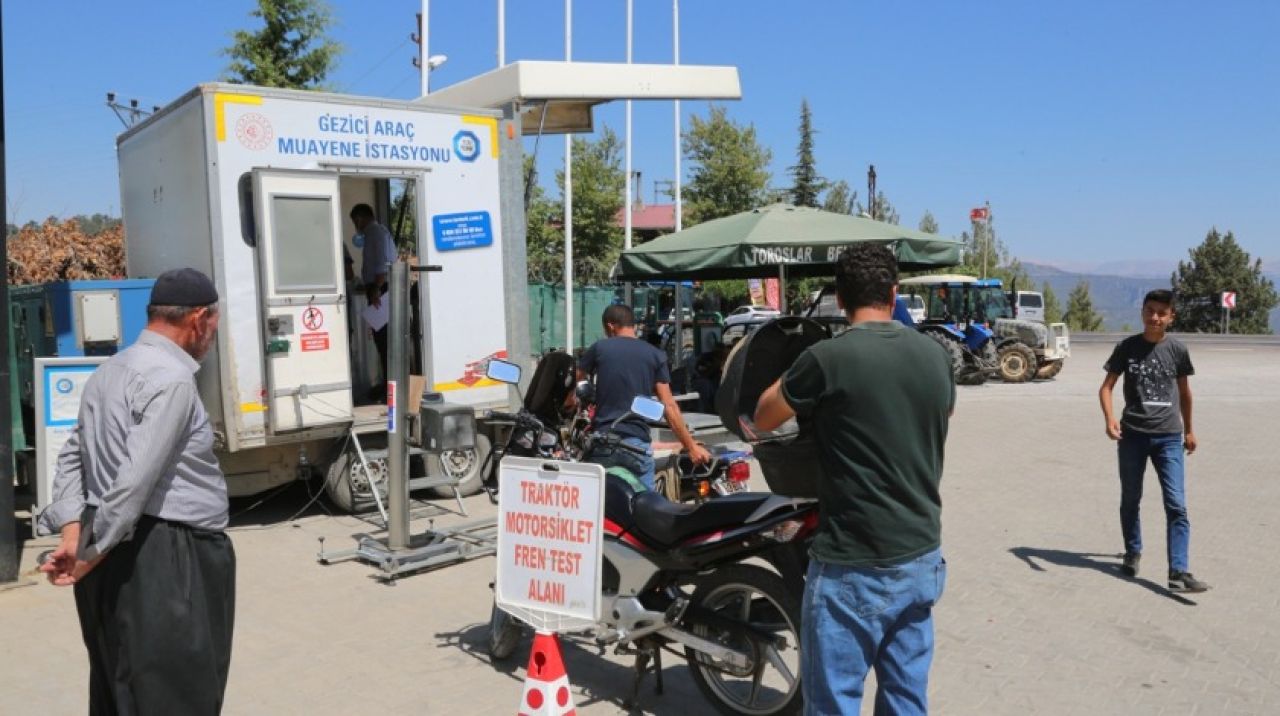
(466, 145)
(468, 230)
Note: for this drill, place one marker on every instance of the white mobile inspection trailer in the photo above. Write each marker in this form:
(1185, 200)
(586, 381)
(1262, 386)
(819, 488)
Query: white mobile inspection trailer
(254, 186)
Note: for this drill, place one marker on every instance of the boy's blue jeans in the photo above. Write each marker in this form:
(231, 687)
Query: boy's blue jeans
(1165, 452)
(642, 466)
(855, 619)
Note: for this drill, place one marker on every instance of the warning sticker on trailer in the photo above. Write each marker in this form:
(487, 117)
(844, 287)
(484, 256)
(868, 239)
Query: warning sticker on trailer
(315, 341)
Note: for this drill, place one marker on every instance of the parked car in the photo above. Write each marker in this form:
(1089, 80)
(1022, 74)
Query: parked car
(751, 314)
(1027, 305)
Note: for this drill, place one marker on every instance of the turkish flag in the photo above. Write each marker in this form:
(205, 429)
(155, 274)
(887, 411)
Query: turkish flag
(982, 213)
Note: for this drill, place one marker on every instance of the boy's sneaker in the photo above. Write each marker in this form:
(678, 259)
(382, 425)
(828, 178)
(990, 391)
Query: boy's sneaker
(1184, 582)
(1130, 565)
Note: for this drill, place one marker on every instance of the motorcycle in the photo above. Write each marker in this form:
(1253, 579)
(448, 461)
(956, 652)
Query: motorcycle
(677, 575)
(727, 472)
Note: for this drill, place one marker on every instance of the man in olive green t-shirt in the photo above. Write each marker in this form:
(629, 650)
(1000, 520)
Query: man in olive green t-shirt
(879, 398)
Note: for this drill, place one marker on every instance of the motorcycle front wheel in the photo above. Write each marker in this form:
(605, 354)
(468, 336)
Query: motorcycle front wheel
(754, 596)
(504, 634)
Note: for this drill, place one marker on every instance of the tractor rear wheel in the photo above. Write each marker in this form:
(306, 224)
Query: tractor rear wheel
(953, 349)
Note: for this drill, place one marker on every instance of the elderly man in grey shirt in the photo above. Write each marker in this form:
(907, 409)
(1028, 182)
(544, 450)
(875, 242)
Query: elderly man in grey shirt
(141, 505)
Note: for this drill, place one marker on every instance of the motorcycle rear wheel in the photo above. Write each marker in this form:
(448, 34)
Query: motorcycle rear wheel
(504, 634)
(760, 598)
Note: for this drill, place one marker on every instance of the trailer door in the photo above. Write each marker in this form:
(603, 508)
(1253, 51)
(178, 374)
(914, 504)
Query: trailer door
(308, 376)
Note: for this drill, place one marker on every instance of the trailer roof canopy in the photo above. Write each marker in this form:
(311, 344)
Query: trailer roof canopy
(753, 244)
(557, 97)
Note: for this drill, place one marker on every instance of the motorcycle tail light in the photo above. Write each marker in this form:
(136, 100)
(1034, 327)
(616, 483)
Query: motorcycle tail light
(739, 471)
(704, 488)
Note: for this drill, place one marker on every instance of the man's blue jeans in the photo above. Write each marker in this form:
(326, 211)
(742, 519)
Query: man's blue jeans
(855, 619)
(639, 465)
(1166, 453)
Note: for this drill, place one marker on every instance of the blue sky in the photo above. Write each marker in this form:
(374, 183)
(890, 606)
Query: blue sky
(1099, 131)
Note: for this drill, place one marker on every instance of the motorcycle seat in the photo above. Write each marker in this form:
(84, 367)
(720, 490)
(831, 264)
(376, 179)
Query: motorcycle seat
(666, 524)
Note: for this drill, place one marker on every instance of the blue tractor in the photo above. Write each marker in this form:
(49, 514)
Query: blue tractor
(971, 318)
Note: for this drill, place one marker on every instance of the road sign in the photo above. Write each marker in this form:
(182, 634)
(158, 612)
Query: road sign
(1229, 299)
(550, 533)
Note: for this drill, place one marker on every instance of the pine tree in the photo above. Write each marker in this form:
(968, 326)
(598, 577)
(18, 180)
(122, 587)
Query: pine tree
(729, 170)
(1052, 309)
(1080, 314)
(290, 50)
(840, 198)
(1219, 264)
(807, 184)
(928, 224)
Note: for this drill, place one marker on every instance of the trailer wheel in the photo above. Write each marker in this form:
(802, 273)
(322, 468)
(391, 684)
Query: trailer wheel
(347, 486)
(1049, 369)
(464, 465)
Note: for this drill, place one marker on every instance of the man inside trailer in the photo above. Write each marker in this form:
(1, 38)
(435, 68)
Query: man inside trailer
(378, 251)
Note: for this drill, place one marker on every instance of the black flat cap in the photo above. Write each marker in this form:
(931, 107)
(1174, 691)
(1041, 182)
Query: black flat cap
(183, 287)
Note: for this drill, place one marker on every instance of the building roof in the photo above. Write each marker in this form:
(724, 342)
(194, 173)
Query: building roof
(650, 217)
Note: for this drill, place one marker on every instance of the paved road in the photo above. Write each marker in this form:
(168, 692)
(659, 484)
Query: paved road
(1035, 618)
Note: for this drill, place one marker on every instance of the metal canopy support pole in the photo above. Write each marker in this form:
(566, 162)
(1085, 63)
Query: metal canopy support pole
(398, 395)
(514, 254)
(568, 197)
(675, 46)
(626, 210)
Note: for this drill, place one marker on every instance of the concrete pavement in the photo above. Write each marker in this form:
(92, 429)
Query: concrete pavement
(1035, 619)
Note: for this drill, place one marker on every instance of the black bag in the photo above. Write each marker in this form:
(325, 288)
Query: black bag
(788, 456)
(551, 383)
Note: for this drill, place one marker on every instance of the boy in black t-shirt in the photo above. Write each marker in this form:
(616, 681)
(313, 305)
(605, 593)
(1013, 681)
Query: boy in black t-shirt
(1155, 426)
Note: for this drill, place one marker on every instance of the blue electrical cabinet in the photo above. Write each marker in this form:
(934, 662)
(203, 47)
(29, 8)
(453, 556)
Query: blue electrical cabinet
(97, 318)
(74, 319)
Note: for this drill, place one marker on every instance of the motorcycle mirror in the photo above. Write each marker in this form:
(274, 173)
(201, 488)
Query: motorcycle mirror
(503, 372)
(647, 408)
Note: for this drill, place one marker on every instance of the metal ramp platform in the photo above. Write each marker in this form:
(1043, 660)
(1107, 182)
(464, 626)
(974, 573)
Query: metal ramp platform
(429, 550)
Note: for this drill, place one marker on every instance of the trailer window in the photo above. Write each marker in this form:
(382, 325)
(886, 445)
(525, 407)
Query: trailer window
(303, 233)
(248, 229)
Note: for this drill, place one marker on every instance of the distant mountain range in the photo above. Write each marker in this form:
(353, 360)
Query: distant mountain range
(1117, 287)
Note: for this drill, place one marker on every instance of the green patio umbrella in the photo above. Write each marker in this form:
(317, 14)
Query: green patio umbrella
(760, 242)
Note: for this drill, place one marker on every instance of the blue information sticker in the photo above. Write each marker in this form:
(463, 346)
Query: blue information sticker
(468, 230)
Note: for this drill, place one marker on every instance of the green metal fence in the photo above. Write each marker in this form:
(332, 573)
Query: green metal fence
(546, 315)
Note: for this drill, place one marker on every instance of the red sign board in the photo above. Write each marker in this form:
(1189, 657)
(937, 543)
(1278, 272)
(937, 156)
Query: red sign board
(315, 341)
(771, 297)
(1228, 299)
(982, 213)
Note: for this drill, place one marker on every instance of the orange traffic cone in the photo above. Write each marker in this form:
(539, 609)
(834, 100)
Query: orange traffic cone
(546, 684)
